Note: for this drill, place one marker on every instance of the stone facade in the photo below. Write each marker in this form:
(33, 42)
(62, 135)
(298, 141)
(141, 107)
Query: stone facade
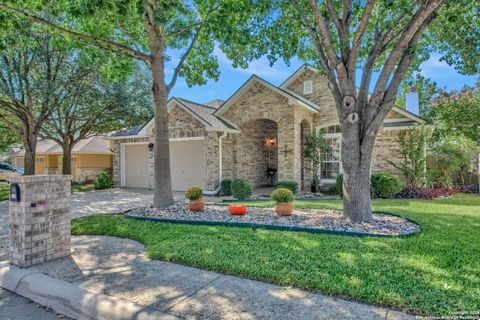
(263, 113)
(180, 125)
(40, 221)
(387, 149)
(259, 112)
(84, 175)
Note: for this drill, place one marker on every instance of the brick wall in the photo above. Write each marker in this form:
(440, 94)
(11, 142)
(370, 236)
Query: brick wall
(40, 222)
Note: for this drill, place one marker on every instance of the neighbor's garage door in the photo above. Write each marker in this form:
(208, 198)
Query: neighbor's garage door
(136, 166)
(187, 164)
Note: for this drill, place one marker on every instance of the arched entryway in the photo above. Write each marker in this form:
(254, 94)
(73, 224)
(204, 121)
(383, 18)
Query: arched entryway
(305, 164)
(257, 159)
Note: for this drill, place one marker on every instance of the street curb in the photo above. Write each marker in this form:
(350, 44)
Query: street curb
(72, 300)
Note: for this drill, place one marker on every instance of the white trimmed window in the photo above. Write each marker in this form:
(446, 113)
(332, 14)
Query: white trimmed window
(308, 87)
(331, 165)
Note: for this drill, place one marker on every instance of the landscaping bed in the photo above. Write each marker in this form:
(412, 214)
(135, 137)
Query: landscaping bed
(310, 220)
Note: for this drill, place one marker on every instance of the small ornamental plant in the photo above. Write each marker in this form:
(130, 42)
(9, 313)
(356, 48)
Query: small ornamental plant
(103, 181)
(195, 195)
(282, 195)
(284, 198)
(241, 189)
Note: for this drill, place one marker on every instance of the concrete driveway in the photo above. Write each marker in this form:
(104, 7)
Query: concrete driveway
(88, 203)
(110, 201)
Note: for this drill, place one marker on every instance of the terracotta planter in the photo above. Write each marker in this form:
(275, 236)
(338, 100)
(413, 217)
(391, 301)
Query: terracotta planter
(197, 205)
(237, 209)
(284, 209)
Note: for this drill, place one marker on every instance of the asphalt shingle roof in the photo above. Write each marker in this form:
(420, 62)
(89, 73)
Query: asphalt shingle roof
(128, 132)
(206, 113)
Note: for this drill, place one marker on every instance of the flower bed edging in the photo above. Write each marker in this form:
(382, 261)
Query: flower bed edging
(280, 228)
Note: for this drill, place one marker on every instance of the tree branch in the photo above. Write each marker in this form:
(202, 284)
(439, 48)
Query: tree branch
(179, 66)
(357, 40)
(416, 22)
(137, 54)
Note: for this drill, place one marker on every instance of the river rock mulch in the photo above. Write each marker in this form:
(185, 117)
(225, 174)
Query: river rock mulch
(323, 219)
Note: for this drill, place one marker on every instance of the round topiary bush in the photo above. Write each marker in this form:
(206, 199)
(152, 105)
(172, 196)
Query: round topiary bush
(282, 195)
(226, 187)
(241, 189)
(289, 184)
(385, 185)
(103, 181)
(193, 193)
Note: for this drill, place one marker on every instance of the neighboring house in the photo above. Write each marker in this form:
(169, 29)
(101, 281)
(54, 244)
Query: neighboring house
(89, 157)
(259, 128)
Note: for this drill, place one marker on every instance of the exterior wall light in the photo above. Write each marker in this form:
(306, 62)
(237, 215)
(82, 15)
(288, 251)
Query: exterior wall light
(271, 141)
(150, 146)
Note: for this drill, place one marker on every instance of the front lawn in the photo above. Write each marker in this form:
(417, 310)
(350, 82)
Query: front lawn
(434, 272)
(82, 187)
(4, 191)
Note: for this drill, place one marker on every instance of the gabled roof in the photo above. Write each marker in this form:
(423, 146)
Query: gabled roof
(291, 96)
(296, 74)
(206, 115)
(306, 67)
(129, 132)
(95, 144)
(201, 112)
(215, 103)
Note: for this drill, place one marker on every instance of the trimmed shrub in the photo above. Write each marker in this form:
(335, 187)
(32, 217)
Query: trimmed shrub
(226, 187)
(413, 192)
(288, 184)
(103, 181)
(385, 185)
(339, 185)
(194, 193)
(468, 188)
(241, 189)
(282, 195)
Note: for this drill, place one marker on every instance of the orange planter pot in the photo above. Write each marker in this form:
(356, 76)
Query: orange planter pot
(237, 209)
(284, 209)
(197, 205)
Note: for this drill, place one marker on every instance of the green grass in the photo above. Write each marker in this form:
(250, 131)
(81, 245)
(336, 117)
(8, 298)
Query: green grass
(434, 272)
(4, 192)
(82, 187)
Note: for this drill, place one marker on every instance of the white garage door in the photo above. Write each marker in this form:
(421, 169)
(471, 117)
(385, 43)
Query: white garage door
(187, 163)
(136, 166)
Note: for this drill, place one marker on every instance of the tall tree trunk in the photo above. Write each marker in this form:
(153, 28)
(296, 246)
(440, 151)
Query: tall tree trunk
(30, 146)
(67, 157)
(357, 150)
(163, 195)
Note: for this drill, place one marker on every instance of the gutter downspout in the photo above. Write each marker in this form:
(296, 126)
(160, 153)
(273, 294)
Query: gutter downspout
(220, 162)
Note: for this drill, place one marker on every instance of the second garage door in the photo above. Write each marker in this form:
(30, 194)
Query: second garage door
(187, 164)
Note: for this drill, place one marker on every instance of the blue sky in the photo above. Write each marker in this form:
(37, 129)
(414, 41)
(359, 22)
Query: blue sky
(231, 79)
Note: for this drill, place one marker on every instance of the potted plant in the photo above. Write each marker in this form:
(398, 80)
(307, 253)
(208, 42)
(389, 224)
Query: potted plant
(195, 195)
(237, 209)
(283, 197)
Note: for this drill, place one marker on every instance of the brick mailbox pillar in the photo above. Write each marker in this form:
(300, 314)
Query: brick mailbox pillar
(39, 218)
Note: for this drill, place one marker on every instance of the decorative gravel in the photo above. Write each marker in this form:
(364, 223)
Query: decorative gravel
(320, 219)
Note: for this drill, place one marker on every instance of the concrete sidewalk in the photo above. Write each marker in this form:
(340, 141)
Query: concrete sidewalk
(119, 268)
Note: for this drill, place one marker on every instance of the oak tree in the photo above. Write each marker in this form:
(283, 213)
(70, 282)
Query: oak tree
(351, 40)
(158, 33)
